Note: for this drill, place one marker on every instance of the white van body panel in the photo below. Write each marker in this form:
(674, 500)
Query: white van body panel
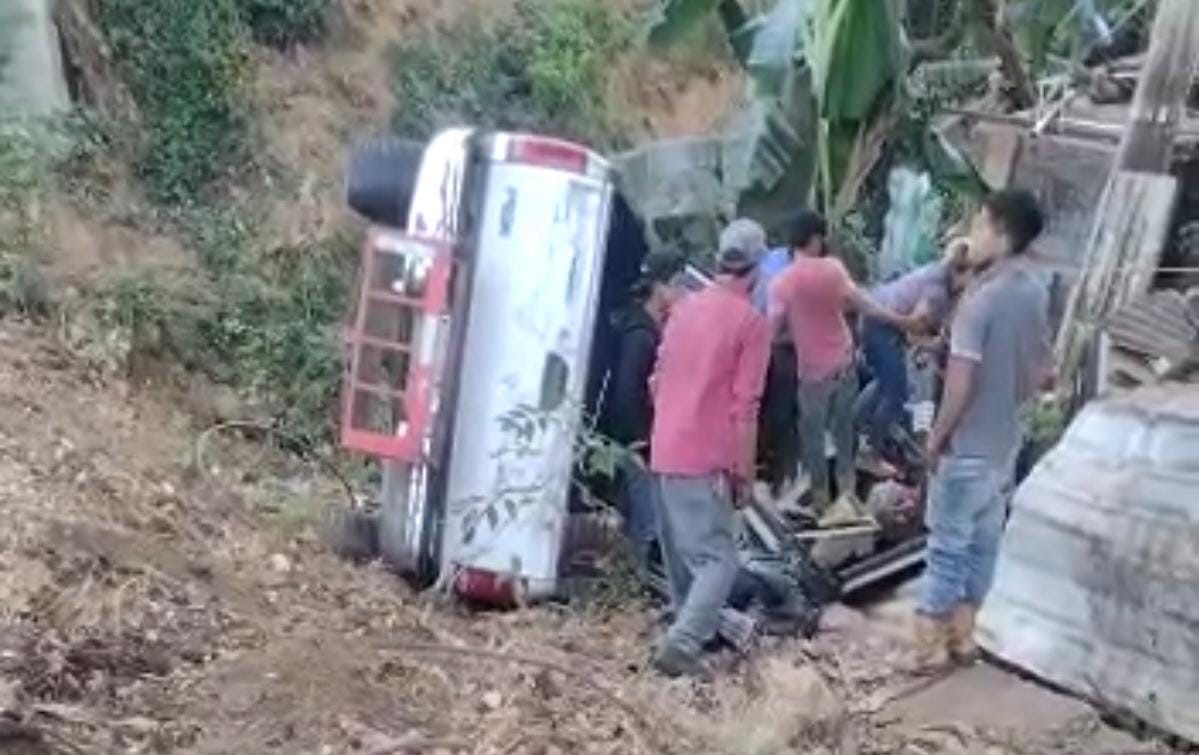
(538, 266)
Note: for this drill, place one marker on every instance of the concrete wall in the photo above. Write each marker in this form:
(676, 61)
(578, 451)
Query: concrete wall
(31, 71)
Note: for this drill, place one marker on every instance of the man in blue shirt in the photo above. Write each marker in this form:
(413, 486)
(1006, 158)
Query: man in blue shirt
(778, 446)
(773, 262)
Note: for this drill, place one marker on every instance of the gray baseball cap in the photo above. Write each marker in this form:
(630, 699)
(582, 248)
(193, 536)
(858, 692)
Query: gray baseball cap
(734, 261)
(746, 235)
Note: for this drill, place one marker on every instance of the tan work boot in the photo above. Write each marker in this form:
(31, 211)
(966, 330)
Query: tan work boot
(930, 653)
(961, 633)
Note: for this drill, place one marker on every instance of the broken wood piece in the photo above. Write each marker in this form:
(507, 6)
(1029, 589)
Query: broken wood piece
(838, 533)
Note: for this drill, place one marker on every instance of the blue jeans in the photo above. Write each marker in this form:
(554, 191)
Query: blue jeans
(966, 511)
(886, 356)
(638, 507)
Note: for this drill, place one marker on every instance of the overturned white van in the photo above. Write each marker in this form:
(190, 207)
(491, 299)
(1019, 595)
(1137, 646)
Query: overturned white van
(493, 261)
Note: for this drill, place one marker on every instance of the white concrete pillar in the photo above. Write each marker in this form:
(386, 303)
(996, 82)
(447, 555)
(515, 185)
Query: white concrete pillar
(31, 70)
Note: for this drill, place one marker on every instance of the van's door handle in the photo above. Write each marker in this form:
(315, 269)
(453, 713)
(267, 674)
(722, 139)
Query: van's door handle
(554, 376)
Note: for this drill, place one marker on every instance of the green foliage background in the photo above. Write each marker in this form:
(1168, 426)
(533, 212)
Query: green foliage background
(284, 23)
(263, 319)
(546, 67)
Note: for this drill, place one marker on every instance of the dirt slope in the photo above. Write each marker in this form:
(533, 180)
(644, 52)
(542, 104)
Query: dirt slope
(315, 102)
(152, 604)
(148, 608)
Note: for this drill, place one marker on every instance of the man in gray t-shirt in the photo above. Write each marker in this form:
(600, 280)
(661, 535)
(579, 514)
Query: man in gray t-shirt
(999, 358)
(1002, 327)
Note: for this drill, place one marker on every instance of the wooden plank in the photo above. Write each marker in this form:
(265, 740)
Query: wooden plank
(1131, 230)
(999, 157)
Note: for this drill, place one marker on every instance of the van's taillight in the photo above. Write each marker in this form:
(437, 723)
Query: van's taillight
(485, 587)
(548, 153)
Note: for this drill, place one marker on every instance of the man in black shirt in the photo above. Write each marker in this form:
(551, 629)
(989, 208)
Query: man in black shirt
(629, 409)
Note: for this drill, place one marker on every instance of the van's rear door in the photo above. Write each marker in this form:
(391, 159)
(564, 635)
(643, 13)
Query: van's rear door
(538, 260)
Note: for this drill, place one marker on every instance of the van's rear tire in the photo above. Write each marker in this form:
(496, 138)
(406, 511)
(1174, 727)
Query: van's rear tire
(381, 177)
(353, 534)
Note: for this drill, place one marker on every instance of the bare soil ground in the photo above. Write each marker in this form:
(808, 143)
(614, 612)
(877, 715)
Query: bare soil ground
(150, 604)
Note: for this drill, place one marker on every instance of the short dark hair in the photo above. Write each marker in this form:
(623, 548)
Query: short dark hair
(806, 225)
(658, 268)
(1019, 214)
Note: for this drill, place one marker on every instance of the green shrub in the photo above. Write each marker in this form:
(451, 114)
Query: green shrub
(292, 351)
(268, 321)
(23, 288)
(184, 61)
(283, 23)
(440, 82)
(268, 327)
(30, 151)
(546, 68)
(570, 43)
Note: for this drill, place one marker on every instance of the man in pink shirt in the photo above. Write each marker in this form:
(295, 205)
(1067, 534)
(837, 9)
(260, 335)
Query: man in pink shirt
(812, 297)
(707, 385)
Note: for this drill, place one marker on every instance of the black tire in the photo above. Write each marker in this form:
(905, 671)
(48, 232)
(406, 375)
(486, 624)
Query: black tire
(381, 177)
(353, 535)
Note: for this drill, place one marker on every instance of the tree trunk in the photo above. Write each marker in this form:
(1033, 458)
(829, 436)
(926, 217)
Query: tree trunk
(1020, 87)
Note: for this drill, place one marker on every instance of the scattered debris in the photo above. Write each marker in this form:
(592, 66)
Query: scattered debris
(1155, 338)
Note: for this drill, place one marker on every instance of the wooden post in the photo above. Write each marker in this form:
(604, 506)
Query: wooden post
(1132, 221)
(1161, 92)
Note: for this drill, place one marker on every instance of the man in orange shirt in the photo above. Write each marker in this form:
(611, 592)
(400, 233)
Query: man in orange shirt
(812, 297)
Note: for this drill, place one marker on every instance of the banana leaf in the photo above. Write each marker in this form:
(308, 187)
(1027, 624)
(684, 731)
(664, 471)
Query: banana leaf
(858, 56)
(856, 51)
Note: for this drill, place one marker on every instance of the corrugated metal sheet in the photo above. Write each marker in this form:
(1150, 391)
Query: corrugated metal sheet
(1154, 336)
(1158, 324)
(1098, 582)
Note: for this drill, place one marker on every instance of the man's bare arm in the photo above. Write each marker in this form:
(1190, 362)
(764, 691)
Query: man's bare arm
(959, 388)
(865, 305)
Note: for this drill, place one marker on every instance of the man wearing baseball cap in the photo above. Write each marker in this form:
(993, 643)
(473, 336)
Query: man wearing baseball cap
(707, 386)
